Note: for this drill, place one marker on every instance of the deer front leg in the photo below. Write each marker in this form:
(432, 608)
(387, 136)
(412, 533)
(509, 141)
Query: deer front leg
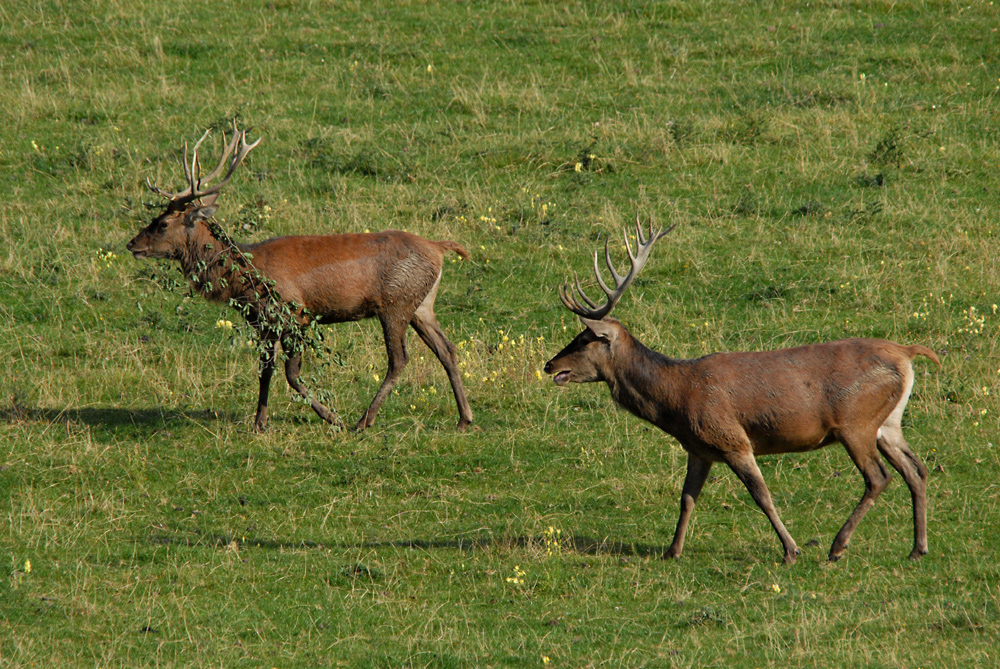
(266, 370)
(745, 467)
(697, 474)
(292, 367)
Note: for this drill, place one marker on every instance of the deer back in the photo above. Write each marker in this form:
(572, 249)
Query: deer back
(800, 398)
(350, 276)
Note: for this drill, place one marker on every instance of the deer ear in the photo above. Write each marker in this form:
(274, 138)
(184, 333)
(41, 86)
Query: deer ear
(603, 329)
(199, 214)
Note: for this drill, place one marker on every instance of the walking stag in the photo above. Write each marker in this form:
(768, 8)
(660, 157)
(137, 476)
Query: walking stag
(732, 407)
(282, 285)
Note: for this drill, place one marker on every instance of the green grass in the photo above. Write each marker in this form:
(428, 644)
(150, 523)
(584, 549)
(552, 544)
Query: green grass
(832, 168)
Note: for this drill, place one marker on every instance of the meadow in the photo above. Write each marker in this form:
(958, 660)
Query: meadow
(831, 168)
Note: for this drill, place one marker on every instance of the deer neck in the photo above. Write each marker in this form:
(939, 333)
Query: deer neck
(214, 268)
(644, 382)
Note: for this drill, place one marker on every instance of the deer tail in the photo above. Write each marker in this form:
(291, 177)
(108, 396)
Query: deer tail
(917, 349)
(453, 246)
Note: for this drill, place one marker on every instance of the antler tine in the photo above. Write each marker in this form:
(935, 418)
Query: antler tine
(195, 167)
(567, 298)
(638, 230)
(637, 259)
(187, 172)
(158, 190)
(600, 280)
(192, 169)
(191, 172)
(661, 234)
(607, 258)
(579, 289)
(226, 151)
(233, 164)
(566, 295)
(570, 301)
(628, 246)
(645, 245)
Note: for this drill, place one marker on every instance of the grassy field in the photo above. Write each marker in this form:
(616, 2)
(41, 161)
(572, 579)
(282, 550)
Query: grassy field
(832, 170)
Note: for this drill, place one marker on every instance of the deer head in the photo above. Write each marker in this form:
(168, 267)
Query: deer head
(585, 359)
(168, 233)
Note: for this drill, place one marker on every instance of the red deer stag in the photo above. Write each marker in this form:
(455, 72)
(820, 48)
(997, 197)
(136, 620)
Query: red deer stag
(731, 407)
(393, 276)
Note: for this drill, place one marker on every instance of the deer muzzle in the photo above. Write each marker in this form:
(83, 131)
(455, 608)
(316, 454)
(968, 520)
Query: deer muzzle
(561, 377)
(135, 250)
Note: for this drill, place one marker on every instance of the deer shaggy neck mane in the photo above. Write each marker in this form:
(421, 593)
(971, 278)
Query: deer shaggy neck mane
(219, 271)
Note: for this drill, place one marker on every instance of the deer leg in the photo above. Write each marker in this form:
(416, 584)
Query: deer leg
(293, 365)
(395, 347)
(876, 476)
(266, 370)
(697, 474)
(745, 467)
(895, 449)
(430, 332)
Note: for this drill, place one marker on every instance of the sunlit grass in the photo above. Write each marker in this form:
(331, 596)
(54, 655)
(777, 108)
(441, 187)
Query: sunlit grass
(832, 171)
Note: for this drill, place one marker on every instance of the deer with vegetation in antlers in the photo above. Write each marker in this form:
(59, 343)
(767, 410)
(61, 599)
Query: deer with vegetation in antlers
(732, 407)
(283, 285)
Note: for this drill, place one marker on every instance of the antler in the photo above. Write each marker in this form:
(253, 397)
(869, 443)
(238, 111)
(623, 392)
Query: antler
(192, 170)
(621, 283)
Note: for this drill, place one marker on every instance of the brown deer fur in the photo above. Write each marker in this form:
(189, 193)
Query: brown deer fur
(732, 407)
(393, 276)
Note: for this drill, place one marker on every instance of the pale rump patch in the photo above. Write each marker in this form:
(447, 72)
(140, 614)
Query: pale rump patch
(427, 306)
(895, 419)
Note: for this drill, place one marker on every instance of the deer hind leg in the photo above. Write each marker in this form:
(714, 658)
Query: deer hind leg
(745, 467)
(395, 347)
(293, 365)
(427, 327)
(894, 448)
(862, 450)
(898, 453)
(266, 370)
(694, 480)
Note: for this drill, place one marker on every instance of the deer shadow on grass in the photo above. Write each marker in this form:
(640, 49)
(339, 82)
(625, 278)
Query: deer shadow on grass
(582, 545)
(110, 420)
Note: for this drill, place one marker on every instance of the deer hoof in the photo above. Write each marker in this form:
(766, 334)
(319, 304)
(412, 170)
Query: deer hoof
(463, 425)
(918, 553)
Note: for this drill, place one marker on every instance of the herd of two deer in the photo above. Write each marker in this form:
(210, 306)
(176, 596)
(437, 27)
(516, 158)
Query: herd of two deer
(725, 407)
